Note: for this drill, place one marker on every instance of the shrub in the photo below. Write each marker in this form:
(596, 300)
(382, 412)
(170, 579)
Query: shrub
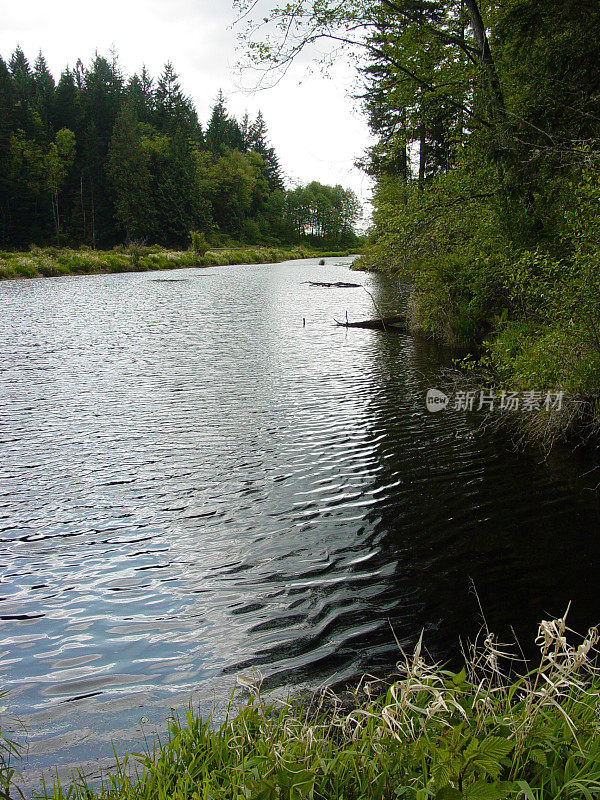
(199, 243)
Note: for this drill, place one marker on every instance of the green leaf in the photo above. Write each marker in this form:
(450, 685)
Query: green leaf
(482, 790)
(496, 747)
(526, 789)
(460, 678)
(441, 772)
(448, 793)
(539, 757)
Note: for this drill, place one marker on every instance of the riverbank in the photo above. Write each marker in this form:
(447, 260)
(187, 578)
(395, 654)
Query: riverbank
(516, 328)
(426, 733)
(52, 262)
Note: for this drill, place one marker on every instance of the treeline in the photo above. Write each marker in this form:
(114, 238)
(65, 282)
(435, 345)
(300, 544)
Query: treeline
(487, 165)
(100, 159)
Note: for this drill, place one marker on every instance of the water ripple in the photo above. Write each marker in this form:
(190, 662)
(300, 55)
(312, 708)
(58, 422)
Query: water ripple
(192, 484)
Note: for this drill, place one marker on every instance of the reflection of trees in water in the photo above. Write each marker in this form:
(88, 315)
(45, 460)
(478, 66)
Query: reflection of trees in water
(468, 512)
(436, 508)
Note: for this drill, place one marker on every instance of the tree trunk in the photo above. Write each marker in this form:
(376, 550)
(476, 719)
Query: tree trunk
(422, 151)
(93, 214)
(82, 205)
(487, 60)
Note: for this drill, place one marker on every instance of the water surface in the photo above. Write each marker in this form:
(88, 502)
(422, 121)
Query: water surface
(194, 483)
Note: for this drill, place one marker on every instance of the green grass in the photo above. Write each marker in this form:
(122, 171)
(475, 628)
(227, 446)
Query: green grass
(428, 733)
(10, 751)
(51, 262)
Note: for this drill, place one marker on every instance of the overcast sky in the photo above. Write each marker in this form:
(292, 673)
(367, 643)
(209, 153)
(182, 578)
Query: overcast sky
(317, 130)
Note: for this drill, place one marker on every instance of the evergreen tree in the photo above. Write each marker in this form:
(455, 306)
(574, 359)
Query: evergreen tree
(139, 96)
(258, 140)
(44, 91)
(172, 108)
(97, 159)
(22, 75)
(129, 177)
(7, 126)
(223, 132)
(67, 107)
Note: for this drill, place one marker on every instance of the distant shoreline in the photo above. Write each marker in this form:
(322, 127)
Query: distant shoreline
(54, 262)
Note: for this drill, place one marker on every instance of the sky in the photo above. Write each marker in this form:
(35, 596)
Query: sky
(314, 124)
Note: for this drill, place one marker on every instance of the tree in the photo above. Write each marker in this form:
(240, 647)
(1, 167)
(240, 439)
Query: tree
(140, 96)
(172, 109)
(180, 206)
(59, 161)
(323, 215)
(99, 158)
(258, 140)
(129, 177)
(223, 133)
(44, 88)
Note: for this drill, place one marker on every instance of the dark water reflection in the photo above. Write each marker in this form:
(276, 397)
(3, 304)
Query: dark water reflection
(192, 484)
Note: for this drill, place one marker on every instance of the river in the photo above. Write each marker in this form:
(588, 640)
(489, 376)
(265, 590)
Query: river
(193, 482)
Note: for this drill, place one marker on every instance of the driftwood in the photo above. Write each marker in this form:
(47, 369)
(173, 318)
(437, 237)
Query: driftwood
(396, 323)
(337, 285)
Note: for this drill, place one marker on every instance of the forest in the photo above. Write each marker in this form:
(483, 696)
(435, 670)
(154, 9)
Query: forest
(487, 170)
(98, 159)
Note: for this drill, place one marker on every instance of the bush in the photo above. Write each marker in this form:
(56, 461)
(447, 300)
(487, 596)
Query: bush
(199, 243)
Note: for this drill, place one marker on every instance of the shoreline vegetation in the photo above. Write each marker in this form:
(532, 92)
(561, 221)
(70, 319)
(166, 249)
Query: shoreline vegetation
(496, 729)
(53, 262)
(486, 169)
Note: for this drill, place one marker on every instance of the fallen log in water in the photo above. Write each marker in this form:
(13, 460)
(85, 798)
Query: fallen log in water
(337, 285)
(396, 323)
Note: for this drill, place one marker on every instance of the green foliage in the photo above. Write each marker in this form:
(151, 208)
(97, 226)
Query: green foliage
(98, 160)
(129, 176)
(427, 734)
(199, 243)
(51, 261)
(323, 215)
(486, 117)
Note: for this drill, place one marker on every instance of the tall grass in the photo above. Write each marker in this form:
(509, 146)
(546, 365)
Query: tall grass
(10, 751)
(485, 733)
(52, 262)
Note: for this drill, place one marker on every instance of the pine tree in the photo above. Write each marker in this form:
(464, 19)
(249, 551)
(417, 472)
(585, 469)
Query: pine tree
(173, 109)
(22, 75)
(258, 140)
(128, 176)
(139, 95)
(67, 108)
(44, 91)
(223, 132)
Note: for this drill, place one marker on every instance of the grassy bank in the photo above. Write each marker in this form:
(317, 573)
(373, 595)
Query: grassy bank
(475, 735)
(51, 261)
